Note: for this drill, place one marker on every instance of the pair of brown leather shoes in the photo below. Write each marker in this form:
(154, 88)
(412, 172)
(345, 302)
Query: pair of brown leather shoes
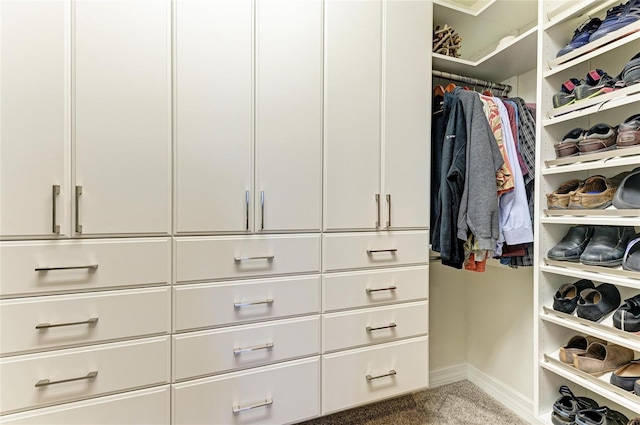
(596, 192)
(601, 137)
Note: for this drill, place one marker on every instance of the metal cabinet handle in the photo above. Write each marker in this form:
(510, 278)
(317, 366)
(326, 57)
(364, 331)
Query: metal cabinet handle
(389, 326)
(389, 204)
(238, 409)
(390, 288)
(91, 321)
(45, 382)
(262, 210)
(78, 193)
(246, 198)
(371, 378)
(47, 269)
(378, 208)
(254, 348)
(248, 303)
(372, 251)
(55, 191)
(260, 257)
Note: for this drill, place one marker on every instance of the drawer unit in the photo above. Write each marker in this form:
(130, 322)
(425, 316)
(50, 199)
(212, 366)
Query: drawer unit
(209, 258)
(379, 249)
(30, 268)
(364, 375)
(215, 304)
(67, 375)
(365, 289)
(374, 325)
(144, 407)
(204, 353)
(39, 323)
(279, 394)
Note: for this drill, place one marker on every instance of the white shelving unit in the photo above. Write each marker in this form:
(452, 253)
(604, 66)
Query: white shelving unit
(553, 329)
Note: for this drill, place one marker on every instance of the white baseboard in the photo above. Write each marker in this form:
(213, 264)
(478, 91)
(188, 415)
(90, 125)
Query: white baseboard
(447, 375)
(510, 398)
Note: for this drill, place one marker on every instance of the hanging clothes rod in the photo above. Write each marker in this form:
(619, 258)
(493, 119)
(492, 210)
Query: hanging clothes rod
(472, 81)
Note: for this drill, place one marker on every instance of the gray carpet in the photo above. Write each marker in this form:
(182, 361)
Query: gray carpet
(453, 404)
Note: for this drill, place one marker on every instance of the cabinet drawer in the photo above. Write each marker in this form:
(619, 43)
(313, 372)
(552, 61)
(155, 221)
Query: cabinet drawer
(118, 368)
(359, 376)
(354, 251)
(292, 388)
(200, 258)
(374, 325)
(143, 407)
(75, 266)
(204, 353)
(215, 304)
(38, 323)
(362, 289)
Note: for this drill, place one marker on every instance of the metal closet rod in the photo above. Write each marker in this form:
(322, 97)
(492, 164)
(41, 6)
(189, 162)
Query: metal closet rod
(472, 81)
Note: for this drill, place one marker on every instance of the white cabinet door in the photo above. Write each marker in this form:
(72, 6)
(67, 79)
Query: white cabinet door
(213, 115)
(35, 117)
(353, 45)
(406, 114)
(122, 88)
(288, 115)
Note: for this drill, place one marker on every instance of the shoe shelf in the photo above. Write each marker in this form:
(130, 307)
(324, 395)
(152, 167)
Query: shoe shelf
(612, 217)
(596, 270)
(599, 277)
(607, 159)
(594, 101)
(613, 103)
(600, 385)
(573, 9)
(603, 330)
(609, 42)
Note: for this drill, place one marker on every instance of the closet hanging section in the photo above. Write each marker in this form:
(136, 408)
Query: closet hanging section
(503, 88)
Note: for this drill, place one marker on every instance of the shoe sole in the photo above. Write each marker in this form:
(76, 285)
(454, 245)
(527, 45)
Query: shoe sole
(612, 263)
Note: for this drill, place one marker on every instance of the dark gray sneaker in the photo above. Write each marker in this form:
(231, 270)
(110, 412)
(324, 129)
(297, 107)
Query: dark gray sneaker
(566, 96)
(596, 83)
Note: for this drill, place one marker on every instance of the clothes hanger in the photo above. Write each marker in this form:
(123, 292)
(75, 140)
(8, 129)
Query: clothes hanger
(450, 87)
(438, 91)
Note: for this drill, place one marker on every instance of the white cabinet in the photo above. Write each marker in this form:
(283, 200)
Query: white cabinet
(376, 115)
(121, 114)
(216, 160)
(34, 118)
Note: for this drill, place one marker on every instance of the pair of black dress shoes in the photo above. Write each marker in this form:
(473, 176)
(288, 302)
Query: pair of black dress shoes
(593, 245)
(588, 301)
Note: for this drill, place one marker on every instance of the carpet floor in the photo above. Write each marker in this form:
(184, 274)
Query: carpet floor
(453, 404)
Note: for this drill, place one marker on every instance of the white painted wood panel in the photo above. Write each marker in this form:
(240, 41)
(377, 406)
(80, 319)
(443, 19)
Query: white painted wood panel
(289, 81)
(34, 117)
(121, 111)
(213, 115)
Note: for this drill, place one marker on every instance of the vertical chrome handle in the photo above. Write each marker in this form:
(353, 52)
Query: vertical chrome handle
(262, 210)
(246, 197)
(91, 321)
(78, 193)
(238, 409)
(389, 204)
(54, 194)
(45, 382)
(371, 378)
(378, 208)
(266, 346)
(390, 288)
(389, 326)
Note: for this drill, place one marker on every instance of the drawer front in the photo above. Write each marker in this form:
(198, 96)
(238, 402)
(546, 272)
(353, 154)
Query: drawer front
(293, 389)
(94, 264)
(215, 304)
(379, 249)
(204, 353)
(204, 258)
(38, 323)
(118, 368)
(144, 407)
(364, 289)
(365, 375)
(374, 325)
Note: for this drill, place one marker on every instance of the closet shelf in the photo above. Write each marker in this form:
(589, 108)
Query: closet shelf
(599, 385)
(613, 217)
(570, 110)
(570, 10)
(601, 46)
(594, 109)
(581, 274)
(603, 330)
(596, 271)
(612, 158)
(474, 10)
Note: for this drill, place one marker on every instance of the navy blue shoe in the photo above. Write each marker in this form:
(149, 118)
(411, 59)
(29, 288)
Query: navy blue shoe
(618, 17)
(581, 36)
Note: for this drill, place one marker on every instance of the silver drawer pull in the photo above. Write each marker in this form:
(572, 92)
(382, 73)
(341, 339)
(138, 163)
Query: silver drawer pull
(91, 321)
(48, 269)
(390, 288)
(389, 204)
(78, 225)
(248, 303)
(45, 382)
(266, 402)
(371, 378)
(389, 326)
(261, 257)
(54, 194)
(373, 251)
(254, 348)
